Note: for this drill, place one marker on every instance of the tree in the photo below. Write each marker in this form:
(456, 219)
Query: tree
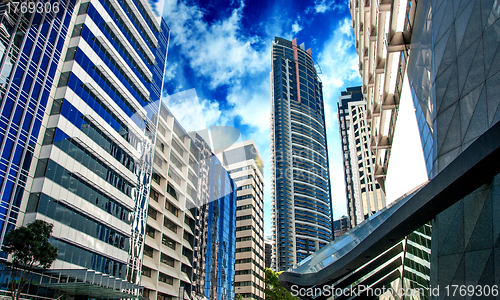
(30, 248)
(238, 297)
(273, 289)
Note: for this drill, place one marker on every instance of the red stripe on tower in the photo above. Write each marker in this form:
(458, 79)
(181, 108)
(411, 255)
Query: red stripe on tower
(296, 57)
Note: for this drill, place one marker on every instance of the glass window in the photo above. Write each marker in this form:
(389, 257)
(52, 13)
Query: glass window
(175, 161)
(158, 160)
(146, 271)
(64, 79)
(168, 242)
(83, 8)
(41, 168)
(150, 231)
(177, 147)
(169, 224)
(171, 208)
(176, 178)
(49, 136)
(171, 191)
(71, 53)
(156, 178)
(56, 106)
(77, 30)
(166, 279)
(154, 195)
(148, 251)
(152, 212)
(167, 260)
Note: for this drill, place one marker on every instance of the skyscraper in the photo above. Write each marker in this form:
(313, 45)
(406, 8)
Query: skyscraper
(167, 267)
(244, 164)
(94, 162)
(30, 49)
(363, 194)
(190, 245)
(302, 216)
(215, 231)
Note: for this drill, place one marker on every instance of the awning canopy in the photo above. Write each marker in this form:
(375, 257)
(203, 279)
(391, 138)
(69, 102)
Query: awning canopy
(91, 283)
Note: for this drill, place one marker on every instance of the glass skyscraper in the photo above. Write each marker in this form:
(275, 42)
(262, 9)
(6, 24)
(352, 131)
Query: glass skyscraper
(92, 172)
(215, 229)
(30, 48)
(302, 216)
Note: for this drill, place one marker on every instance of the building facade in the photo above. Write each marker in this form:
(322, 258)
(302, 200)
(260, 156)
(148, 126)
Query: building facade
(30, 49)
(244, 164)
(456, 106)
(190, 243)
(93, 166)
(340, 226)
(302, 217)
(268, 250)
(215, 231)
(363, 194)
(167, 268)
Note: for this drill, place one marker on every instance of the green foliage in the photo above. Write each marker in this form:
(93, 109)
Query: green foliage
(273, 289)
(238, 297)
(30, 248)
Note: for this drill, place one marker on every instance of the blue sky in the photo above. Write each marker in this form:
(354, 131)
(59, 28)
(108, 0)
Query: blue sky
(219, 61)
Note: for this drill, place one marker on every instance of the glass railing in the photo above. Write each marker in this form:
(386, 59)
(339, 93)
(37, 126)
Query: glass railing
(345, 243)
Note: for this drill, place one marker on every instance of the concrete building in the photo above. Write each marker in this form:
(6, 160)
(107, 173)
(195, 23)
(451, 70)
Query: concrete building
(245, 166)
(364, 195)
(302, 217)
(92, 164)
(340, 226)
(167, 268)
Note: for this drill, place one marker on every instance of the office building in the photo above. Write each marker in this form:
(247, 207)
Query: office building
(215, 231)
(340, 226)
(94, 158)
(244, 164)
(167, 267)
(268, 250)
(30, 49)
(302, 219)
(363, 194)
(451, 77)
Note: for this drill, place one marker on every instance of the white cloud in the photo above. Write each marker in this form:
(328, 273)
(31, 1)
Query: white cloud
(192, 113)
(296, 28)
(219, 51)
(228, 58)
(323, 6)
(170, 71)
(339, 63)
(252, 103)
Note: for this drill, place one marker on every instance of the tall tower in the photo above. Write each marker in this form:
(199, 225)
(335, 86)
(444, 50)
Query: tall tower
(94, 162)
(244, 164)
(30, 49)
(364, 195)
(215, 231)
(302, 216)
